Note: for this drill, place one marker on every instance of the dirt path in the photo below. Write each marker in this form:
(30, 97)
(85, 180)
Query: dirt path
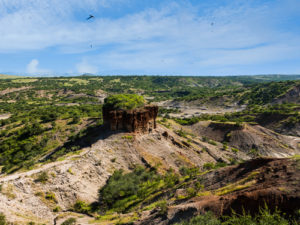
(10, 90)
(6, 178)
(5, 116)
(295, 143)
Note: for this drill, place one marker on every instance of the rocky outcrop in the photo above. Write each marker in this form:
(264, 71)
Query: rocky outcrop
(291, 96)
(137, 120)
(251, 139)
(271, 182)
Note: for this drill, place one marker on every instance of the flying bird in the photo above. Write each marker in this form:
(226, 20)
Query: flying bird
(90, 17)
(212, 24)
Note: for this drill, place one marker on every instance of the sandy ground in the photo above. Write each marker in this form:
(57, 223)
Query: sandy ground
(5, 116)
(187, 111)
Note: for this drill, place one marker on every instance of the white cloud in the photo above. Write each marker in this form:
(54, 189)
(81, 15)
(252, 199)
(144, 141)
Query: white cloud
(175, 38)
(32, 68)
(85, 67)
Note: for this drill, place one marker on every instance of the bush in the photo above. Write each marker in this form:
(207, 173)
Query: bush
(56, 209)
(81, 207)
(235, 150)
(163, 207)
(70, 221)
(124, 101)
(208, 166)
(206, 219)
(264, 217)
(120, 185)
(42, 177)
(2, 219)
(212, 142)
(51, 197)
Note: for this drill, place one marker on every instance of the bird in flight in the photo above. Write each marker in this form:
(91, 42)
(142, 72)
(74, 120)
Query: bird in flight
(90, 17)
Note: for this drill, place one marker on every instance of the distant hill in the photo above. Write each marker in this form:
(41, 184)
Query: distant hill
(5, 76)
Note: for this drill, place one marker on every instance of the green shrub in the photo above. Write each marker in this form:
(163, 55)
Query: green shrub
(42, 177)
(264, 217)
(225, 146)
(124, 191)
(124, 101)
(2, 219)
(191, 172)
(163, 207)
(212, 142)
(70, 221)
(120, 185)
(208, 166)
(51, 196)
(181, 133)
(235, 150)
(56, 209)
(81, 207)
(205, 139)
(206, 219)
(192, 192)
(127, 137)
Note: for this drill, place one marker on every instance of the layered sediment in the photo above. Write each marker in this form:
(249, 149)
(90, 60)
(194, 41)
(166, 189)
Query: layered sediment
(137, 120)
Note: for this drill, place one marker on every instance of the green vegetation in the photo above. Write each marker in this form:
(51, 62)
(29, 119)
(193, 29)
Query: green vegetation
(42, 177)
(52, 116)
(123, 191)
(235, 150)
(2, 219)
(127, 137)
(210, 165)
(82, 207)
(287, 114)
(124, 101)
(34, 131)
(70, 221)
(51, 197)
(265, 217)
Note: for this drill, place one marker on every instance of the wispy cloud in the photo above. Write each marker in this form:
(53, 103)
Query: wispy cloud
(174, 38)
(85, 67)
(33, 68)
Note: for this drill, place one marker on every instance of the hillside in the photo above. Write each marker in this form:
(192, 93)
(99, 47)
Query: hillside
(252, 139)
(248, 186)
(33, 195)
(60, 161)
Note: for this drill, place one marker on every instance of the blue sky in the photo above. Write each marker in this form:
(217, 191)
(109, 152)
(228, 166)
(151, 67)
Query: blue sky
(183, 37)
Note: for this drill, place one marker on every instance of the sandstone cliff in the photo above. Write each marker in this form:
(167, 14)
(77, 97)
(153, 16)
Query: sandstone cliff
(136, 120)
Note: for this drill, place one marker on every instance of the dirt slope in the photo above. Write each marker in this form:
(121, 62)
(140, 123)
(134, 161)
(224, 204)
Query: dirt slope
(275, 182)
(78, 177)
(291, 96)
(251, 139)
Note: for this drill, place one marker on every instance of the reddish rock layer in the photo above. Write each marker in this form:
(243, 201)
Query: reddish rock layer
(277, 185)
(137, 120)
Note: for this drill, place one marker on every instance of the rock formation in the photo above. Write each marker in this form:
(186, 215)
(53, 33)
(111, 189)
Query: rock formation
(136, 120)
(265, 181)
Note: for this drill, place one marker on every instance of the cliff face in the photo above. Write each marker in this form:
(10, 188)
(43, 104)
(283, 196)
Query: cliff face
(137, 120)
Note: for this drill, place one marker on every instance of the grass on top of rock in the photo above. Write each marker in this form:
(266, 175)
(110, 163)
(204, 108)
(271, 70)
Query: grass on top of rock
(124, 101)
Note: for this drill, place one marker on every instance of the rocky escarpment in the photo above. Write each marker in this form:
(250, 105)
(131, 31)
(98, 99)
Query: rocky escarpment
(136, 120)
(251, 139)
(291, 96)
(80, 175)
(247, 187)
